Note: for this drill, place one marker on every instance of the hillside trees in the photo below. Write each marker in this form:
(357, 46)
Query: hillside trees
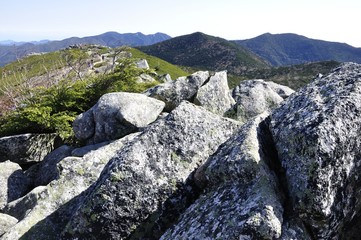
(75, 60)
(18, 78)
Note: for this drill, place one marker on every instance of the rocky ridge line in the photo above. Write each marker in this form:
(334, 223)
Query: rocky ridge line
(284, 170)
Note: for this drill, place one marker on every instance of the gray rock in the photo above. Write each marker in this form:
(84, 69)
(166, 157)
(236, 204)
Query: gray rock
(84, 125)
(27, 148)
(13, 182)
(22, 206)
(281, 90)
(194, 175)
(116, 115)
(317, 134)
(215, 95)
(242, 199)
(6, 223)
(174, 92)
(137, 181)
(46, 171)
(63, 196)
(80, 152)
(142, 64)
(253, 97)
(145, 78)
(294, 228)
(165, 78)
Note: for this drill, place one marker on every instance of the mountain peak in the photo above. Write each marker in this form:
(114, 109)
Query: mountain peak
(290, 49)
(203, 51)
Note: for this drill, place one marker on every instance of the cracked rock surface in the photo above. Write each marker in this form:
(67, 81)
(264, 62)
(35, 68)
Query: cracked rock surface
(288, 169)
(317, 136)
(138, 180)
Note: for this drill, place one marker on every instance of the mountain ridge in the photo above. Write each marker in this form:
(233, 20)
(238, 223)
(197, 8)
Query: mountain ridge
(203, 51)
(16, 43)
(289, 49)
(10, 53)
(276, 49)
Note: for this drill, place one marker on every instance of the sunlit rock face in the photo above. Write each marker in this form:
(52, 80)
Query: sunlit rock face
(285, 167)
(317, 137)
(116, 115)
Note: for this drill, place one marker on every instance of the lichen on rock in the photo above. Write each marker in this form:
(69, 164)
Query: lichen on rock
(116, 115)
(13, 183)
(27, 148)
(241, 198)
(214, 95)
(56, 202)
(317, 135)
(6, 222)
(181, 89)
(253, 97)
(289, 169)
(138, 180)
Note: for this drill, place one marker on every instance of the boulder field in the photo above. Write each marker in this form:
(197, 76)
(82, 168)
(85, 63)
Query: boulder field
(193, 159)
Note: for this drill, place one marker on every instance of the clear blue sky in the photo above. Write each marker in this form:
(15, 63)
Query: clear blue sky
(331, 20)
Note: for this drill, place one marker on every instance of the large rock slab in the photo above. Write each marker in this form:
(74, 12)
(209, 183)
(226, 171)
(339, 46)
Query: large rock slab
(281, 90)
(46, 171)
(145, 78)
(27, 148)
(241, 197)
(6, 222)
(13, 182)
(254, 97)
(138, 181)
(52, 206)
(84, 125)
(116, 115)
(174, 92)
(317, 135)
(215, 95)
(142, 63)
(81, 151)
(21, 206)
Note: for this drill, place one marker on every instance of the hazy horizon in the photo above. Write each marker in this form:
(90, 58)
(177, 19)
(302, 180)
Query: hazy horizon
(230, 19)
(39, 40)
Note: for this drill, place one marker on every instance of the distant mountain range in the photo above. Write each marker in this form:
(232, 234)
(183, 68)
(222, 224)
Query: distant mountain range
(14, 43)
(290, 49)
(202, 51)
(10, 52)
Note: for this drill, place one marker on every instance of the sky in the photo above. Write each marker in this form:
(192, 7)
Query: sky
(330, 20)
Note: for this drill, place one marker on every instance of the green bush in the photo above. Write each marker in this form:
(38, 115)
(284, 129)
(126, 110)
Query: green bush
(54, 109)
(37, 119)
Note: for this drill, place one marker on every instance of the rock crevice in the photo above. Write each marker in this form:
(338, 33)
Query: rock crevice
(288, 169)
